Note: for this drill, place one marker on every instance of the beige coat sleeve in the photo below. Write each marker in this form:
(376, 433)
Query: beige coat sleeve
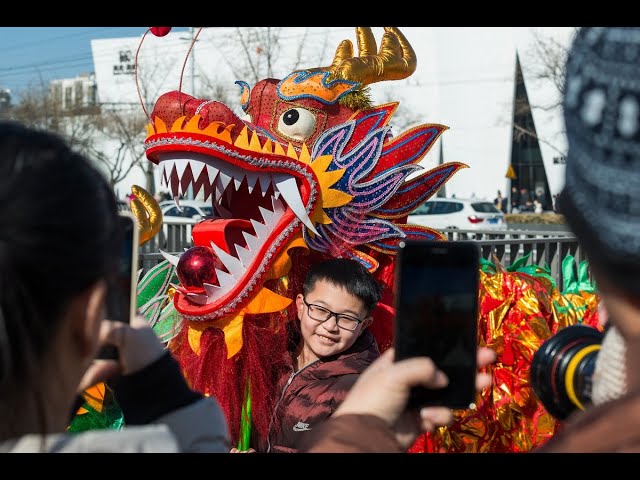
(199, 427)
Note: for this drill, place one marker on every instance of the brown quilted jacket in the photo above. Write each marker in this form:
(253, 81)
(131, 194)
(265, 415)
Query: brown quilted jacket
(312, 394)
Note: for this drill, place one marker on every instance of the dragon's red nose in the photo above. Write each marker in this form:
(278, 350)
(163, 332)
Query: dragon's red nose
(173, 105)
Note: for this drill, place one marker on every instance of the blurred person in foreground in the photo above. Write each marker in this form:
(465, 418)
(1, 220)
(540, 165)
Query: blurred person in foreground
(601, 202)
(56, 254)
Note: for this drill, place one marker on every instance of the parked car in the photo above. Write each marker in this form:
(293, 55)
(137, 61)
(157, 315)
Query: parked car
(191, 210)
(177, 225)
(462, 214)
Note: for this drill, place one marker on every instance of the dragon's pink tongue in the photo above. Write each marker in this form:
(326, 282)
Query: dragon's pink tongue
(222, 232)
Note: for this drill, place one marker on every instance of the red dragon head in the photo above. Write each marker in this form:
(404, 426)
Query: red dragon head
(313, 172)
(315, 166)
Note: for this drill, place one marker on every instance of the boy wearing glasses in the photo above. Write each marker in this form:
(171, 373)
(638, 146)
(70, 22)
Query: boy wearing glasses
(333, 347)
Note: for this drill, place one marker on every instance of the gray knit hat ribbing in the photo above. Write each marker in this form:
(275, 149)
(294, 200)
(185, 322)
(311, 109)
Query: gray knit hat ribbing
(602, 118)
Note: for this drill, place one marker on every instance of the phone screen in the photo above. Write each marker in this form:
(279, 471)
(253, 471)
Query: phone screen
(120, 298)
(436, 316)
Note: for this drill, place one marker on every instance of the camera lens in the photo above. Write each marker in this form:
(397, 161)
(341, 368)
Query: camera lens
(562, 369)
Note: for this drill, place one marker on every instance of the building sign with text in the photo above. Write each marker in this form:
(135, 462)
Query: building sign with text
(126, 64)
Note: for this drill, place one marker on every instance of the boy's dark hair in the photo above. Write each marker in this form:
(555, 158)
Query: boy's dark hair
(348, 274)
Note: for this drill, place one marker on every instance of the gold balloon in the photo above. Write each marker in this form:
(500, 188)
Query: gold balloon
(147, 212)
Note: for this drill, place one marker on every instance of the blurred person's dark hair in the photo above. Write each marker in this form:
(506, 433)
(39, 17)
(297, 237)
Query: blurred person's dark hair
(58, 225)
(601, 197)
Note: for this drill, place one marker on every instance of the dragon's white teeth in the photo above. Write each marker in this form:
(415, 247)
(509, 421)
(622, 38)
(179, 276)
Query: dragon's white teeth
(252, 178)
(198, 170)
(232, 264)
(198, 298)
(212, 290)
(268, 216)
(225, 280)
(265, 181)
(253, 243)
(278, 206)
(164, 179)
(218, 189)
(174, 182)
(224, 180)
(181, 166)
(261, 229)
(211, 173)
(246, 256)
(288, 187)
(199, 174)
(196, 189)
(187, 178)
(172, 259)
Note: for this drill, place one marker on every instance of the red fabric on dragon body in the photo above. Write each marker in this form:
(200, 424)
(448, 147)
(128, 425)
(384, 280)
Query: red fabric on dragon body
(315, 172)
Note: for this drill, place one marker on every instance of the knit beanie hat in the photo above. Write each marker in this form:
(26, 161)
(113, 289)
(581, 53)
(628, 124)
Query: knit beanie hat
(601, 198)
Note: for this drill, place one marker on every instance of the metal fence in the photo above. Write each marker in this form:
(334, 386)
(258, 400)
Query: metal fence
(172, 238)
(545, 248)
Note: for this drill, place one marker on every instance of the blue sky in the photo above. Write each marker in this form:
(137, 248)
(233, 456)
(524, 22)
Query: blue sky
(29, 54)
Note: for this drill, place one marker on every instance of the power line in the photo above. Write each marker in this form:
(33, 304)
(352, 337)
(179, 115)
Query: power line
(22, 45)
(173, 44)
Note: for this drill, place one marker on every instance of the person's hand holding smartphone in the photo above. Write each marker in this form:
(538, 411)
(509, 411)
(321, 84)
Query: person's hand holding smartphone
(437, 286)
(121, 298)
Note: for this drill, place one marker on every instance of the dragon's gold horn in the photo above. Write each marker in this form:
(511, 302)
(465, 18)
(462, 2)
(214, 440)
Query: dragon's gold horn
(343, 52)
(395, 60)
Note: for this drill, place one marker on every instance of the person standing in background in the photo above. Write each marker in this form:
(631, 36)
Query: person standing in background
(515, 200)
(500, 202)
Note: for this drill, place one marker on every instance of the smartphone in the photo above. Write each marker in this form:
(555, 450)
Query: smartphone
(120, 298)
(436, 301)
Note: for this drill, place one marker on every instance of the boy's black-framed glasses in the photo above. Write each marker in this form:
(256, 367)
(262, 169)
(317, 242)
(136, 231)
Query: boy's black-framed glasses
(322, 314)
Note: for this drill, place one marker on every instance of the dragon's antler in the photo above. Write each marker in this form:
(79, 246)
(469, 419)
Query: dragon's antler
(395, 60)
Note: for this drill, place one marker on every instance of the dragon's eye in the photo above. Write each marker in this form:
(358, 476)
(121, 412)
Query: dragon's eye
(297, 123)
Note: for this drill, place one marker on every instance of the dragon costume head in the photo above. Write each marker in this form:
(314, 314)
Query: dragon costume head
(312, 172)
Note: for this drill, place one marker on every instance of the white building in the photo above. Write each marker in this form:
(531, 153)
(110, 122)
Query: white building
(465, 79)
(75, 93)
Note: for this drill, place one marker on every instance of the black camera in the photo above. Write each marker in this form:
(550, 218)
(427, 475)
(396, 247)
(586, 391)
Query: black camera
(562, 369)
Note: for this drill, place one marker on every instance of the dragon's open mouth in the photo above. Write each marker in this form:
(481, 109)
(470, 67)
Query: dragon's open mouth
(256, 208)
